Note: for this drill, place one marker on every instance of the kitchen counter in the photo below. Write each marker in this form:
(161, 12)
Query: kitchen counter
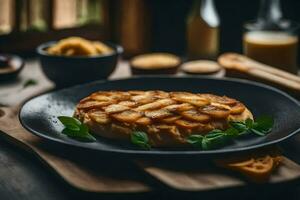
(23, 176)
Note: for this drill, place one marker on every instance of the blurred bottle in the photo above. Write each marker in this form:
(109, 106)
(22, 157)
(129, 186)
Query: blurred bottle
(203, 31)
(271, 39)
(133, 26)
(38, 14)
(89, 11)
(6, 16)
(64, 14)
(32, 15)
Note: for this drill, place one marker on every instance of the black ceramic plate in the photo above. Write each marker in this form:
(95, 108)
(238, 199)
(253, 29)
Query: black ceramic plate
(38, 115)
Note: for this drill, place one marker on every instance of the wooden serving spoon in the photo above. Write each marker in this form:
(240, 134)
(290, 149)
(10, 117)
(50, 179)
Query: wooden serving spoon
(242, 66)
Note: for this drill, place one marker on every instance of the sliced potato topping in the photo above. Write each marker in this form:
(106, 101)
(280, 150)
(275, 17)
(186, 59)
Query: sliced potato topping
(92, 104)
(237, 109)
(128, 103)
(215, 111)
(186, 97)
(127, 116)
(218, 99)
(163, 115)
(155, 105)
(158, 114)
(194, 115)
(169, 120)
(115, 108)
(143, 121)
(143, 99)
(100, 97)
(99, 116)
(187, 124)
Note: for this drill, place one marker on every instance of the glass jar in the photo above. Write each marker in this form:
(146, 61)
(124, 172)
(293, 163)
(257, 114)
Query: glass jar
(270, 39)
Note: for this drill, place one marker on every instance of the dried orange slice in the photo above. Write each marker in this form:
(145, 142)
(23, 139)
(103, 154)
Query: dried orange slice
(258, 168)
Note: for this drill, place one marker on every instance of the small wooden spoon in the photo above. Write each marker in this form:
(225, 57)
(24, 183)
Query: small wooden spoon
(243, 66)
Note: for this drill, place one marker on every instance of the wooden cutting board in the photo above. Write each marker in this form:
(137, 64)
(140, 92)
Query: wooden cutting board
(194, 176)
(98, 174)
(101, 176)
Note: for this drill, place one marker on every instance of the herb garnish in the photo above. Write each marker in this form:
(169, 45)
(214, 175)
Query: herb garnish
(30, 82)
(216, 138)
(140, 139)
(75, 129)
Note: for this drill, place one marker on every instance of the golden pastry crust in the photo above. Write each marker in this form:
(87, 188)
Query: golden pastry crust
(167, 117)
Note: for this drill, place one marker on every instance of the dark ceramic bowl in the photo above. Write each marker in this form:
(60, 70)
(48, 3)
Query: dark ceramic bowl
(10, 66)
(71, 70)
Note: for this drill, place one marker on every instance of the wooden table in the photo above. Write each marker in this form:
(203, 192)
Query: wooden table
(23, 176)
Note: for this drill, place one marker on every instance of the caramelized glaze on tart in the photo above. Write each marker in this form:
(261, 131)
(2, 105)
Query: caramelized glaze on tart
(167, 117)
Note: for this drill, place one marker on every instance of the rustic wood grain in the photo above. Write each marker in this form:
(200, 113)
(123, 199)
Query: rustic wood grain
(100, 178)
(240, 66)
(203, 176)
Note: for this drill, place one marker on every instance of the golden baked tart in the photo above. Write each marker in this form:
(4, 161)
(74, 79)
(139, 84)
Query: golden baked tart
(168, 118)
(155, 63)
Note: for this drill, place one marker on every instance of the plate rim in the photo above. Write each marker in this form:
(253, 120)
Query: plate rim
(138, 152)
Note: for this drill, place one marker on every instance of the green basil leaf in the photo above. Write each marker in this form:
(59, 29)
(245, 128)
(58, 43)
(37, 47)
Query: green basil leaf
(140, 139)
(69, 132)
(214, 133)
(206, 144)
(84, 129)
(249, 123)
(195, 140)
(257, 132)
(69, 121)
(264, 123)
(75, 129)
(214, 142)
(78, 135)
(240, 126)
(143, 145)
(217, 138)
(30, 82)
(232, 132)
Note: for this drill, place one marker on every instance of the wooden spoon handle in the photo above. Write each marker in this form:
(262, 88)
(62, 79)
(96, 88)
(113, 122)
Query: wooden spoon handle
(275, 79)
(243, 63)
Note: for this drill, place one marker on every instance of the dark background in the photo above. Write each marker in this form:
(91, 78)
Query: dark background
(169, 18)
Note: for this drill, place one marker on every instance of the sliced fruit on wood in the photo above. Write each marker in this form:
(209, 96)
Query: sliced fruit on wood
(257, 168)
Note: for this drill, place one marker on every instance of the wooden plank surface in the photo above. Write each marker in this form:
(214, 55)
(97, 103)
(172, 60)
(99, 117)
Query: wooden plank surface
(100, 176)
(203, 176)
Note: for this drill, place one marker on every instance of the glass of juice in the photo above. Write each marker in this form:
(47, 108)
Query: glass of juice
(272, 40)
